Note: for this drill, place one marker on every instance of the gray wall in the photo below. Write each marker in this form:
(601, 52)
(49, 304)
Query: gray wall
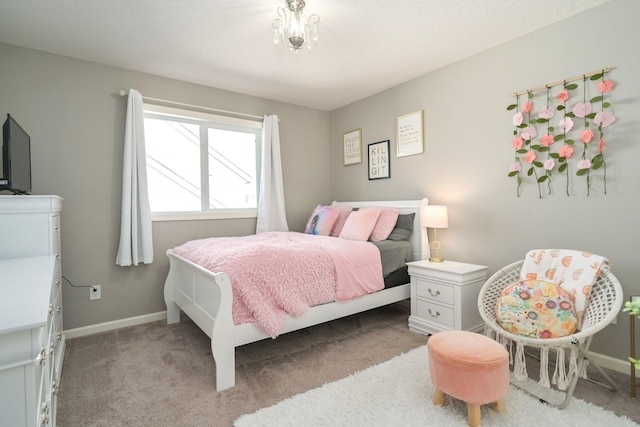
(75, 118)
(468, 136)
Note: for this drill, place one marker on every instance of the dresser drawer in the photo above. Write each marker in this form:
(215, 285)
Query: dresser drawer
(435, 313)
(440, 293)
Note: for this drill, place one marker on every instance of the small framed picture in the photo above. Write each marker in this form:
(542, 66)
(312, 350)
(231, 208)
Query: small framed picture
(379, 160)
(352, 145)
(409, 133)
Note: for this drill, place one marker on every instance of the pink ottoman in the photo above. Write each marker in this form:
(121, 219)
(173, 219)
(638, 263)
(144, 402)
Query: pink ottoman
(469, 367)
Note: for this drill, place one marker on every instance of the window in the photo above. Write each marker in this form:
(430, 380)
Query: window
(201, 165)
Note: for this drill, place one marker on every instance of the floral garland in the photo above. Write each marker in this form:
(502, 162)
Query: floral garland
(530, 152)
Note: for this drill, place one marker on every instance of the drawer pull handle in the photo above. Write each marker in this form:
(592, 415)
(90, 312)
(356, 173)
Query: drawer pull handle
(434, 294)
(434, 315)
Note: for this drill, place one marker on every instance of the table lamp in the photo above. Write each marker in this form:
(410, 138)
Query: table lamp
(435, 216)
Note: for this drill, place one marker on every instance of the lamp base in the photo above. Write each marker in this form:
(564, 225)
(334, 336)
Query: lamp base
(436, 259)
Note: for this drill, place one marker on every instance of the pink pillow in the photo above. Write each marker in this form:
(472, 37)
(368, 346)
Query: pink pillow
(385, 224)
(321, 221)
(360, 224)
(343, 214)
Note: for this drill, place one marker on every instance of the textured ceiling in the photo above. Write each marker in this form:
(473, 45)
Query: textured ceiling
(365, 46)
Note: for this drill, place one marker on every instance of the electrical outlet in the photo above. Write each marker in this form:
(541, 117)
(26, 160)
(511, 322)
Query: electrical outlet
(95, 292)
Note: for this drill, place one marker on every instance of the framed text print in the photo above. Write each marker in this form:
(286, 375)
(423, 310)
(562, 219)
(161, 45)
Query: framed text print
(352, 146)
(379, 160)
(409, 134)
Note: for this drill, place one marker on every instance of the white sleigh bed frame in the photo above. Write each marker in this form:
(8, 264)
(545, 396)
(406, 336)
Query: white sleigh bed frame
(206, 298)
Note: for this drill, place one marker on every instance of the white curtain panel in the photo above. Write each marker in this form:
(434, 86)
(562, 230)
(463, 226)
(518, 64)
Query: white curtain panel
(136, 242)
(271, 209)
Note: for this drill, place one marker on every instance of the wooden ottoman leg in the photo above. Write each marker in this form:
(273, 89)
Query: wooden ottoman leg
(439, 397)
(474, 415)
(498, 406)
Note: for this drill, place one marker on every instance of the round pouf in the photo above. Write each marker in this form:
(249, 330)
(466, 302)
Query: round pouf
(469, 367)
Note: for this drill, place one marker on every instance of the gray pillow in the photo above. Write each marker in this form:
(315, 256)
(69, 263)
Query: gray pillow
(403, 229)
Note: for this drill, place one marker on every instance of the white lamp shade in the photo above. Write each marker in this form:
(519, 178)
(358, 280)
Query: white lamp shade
(435, 216)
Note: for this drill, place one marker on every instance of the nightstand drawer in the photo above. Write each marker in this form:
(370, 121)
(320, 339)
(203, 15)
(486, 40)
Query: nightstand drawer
(434, 291)
(435, 313)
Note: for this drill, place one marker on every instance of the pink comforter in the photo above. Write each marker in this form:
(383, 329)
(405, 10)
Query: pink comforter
(276, 274)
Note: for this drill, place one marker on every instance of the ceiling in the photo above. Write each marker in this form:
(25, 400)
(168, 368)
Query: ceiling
(364, 46)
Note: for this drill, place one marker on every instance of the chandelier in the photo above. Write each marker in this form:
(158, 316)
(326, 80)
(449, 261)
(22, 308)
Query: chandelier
(291, 28)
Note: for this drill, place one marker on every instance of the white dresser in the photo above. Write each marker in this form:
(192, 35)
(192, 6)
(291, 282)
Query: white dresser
(444, 296)
(31, 337)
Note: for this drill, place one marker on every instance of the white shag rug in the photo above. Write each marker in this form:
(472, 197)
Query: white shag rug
(399, 393)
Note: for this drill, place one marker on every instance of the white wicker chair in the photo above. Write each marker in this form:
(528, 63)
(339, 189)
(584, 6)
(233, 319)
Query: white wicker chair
(604, 305)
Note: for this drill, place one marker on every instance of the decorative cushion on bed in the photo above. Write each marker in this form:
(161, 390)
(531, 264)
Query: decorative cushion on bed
(403, 229)
(321, 220)
(343, 213)
(360, 224)
(537, 309)
(385, 224)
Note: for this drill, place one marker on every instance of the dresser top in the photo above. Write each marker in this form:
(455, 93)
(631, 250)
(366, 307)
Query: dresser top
(25, 291)
(30, 203)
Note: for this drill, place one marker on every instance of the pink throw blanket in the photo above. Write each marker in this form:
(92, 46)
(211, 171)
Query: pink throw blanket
(278, 273)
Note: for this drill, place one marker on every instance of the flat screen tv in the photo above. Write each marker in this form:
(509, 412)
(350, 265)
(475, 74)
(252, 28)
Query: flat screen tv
(16, 158)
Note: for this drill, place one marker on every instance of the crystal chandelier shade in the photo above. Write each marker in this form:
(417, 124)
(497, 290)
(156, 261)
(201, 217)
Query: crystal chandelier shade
(291, 29)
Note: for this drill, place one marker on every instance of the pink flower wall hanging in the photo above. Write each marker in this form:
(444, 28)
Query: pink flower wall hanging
(604, 119)
(529, 133)
(518, 118)
(583, 120)
(605, 86)
(530, 156)
(549, 164)
(546, 140)
(565, 151)
(547, 112)
(563, 96)
(586, 136)
(582, 109)
(566, 124)
(584, 164)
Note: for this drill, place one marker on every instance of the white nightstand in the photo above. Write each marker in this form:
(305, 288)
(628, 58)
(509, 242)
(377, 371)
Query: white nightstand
(444, 296)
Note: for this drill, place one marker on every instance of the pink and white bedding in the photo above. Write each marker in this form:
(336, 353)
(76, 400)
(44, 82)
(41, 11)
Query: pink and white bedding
(276, 274)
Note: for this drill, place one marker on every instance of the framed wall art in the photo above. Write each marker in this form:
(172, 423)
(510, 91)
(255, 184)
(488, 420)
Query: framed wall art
(410, 139)
(379, 160)
(352, 147)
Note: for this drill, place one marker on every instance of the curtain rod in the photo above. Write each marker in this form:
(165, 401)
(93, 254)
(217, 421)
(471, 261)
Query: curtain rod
(215, 110)
(550, 85)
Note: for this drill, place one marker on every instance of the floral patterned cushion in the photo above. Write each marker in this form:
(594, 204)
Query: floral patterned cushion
(536, 309)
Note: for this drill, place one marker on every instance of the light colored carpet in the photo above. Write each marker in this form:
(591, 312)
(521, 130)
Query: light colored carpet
(399, 392)
(159, 375)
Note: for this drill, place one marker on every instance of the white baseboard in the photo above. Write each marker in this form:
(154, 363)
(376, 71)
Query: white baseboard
(623, 366)
(116, 324)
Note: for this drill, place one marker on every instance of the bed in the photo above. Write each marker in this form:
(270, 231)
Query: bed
(206, 297)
